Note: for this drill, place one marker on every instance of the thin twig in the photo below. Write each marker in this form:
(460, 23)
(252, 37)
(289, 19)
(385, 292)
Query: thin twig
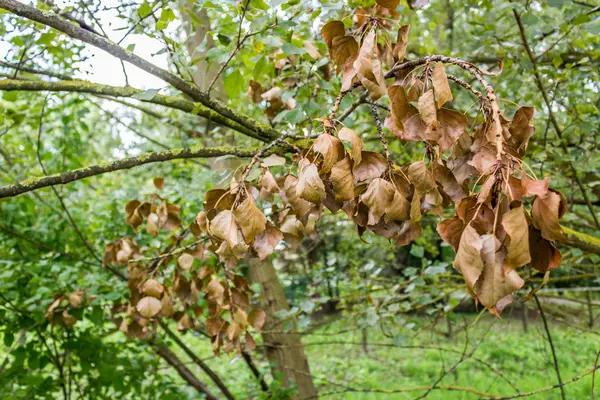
(549, 336)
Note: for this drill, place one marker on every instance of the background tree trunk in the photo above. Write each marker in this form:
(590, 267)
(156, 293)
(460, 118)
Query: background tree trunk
(283, 350)
(196, 33)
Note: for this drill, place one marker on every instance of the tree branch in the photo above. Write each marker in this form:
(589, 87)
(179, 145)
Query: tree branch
(98, 169)
(76, 32)
(118, 91)
(549, 336)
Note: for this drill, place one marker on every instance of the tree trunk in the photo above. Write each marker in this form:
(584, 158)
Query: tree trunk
(284, 350)
(196, 33)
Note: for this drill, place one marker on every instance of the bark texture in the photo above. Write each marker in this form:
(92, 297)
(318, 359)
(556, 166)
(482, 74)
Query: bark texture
(284, 350)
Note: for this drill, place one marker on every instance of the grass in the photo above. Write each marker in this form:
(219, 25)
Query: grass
(523, 358)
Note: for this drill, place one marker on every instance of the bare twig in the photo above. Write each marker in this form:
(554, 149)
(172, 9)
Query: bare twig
(549, 336)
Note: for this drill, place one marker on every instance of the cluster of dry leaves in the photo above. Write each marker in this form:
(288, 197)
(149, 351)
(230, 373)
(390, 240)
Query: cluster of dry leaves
(170, 284)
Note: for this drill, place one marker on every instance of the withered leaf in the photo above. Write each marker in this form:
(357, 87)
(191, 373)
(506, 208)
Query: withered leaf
(290, 196)
(544, 255)
(389, 4)
(444, 176)
(450, 126)
(250, 219)
(400, 110)
(450, 230)
(439, 79)
(153, 288)
(331, 148)
(532, 187)
(159, 183)
(266, 241)
(152, 224)
(378, 197)
(410, 231)
(515, 224)
(369, 69)
(493, 285)
(427, 110)
(185, 261)
(521, 129)
(310, 186)
(420, 176)
(545, 213)
(149, 306)
(349, 136)
(468, 259)
(76, 298)
(256, 318)
(215, 291)
(331, 30)
(342, 180)
(224, 227)
(344, 49)
(372, 165)
(398, 209)
(272, 161)
(268, 182)
(401, 42)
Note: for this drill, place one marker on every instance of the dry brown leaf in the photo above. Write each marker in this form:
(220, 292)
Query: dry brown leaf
(369, 68)
(420, 176)
(148, 307)
(224, 227)
(515, 224)
(185, 261)
(310, 186)
(398, 209)
(521, 129)
(290, 196)
(410, 231)
(427, 110)
(372, 165)
(545, 213)
(344, 50)
(389, 4)
(331, 30)
(401, 42)
(450, 230)
(532, 187)
(159, 183)
(400, 111)
(268, 182)
(544, 255)
(332, 150)
(468, 259)
(439, 79)
(349, 136)
(493, 285)
(266, 241)
(378, 197)
(250, 219)
(450, 127)
(153, 288)
(342, 180)
(256, 318)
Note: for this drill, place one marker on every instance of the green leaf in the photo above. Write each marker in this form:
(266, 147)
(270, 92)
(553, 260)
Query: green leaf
(259, 68)
(295, 116)
(144, 10)
(260, 4)
(291, 49)
(234, 83)
(557, 61)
